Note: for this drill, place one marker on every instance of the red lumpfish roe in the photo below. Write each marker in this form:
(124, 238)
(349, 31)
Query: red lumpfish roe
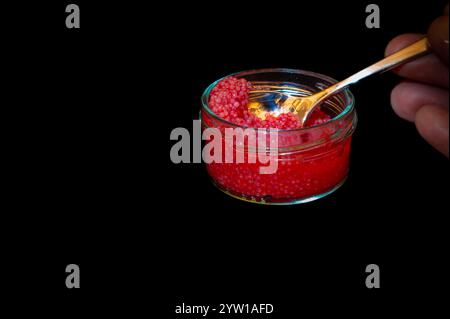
(229, 100)
(302, 172)
(299, 175)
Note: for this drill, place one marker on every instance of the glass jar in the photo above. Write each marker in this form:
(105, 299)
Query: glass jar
(311, 162)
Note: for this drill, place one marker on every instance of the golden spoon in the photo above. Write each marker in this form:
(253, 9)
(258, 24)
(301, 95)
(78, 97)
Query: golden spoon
(303, 106)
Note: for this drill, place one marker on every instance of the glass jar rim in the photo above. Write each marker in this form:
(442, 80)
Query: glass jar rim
(349, 98)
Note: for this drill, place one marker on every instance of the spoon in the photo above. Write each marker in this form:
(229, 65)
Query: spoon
(303, 106)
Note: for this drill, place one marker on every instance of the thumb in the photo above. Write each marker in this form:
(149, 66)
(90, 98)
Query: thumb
(438, 36)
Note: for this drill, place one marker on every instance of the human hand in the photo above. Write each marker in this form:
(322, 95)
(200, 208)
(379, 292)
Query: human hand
(423, 98)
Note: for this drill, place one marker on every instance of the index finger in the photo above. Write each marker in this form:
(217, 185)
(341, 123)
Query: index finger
(428, 69)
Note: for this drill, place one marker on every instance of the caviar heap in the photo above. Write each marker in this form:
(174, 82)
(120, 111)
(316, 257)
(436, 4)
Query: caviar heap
(302, 173)
(229, 100)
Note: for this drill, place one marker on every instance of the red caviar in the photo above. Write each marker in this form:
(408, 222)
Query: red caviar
(229, 100)
(303, 173)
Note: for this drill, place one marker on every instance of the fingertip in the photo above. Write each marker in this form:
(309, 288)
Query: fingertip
(432, 122)
(439, 39)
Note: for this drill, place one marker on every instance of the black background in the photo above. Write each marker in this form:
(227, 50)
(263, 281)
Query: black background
(92, 182)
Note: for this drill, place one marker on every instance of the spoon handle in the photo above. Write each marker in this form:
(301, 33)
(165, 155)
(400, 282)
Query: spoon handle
(406, 54)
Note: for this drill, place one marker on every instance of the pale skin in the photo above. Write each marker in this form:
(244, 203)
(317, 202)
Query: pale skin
(423, 96)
